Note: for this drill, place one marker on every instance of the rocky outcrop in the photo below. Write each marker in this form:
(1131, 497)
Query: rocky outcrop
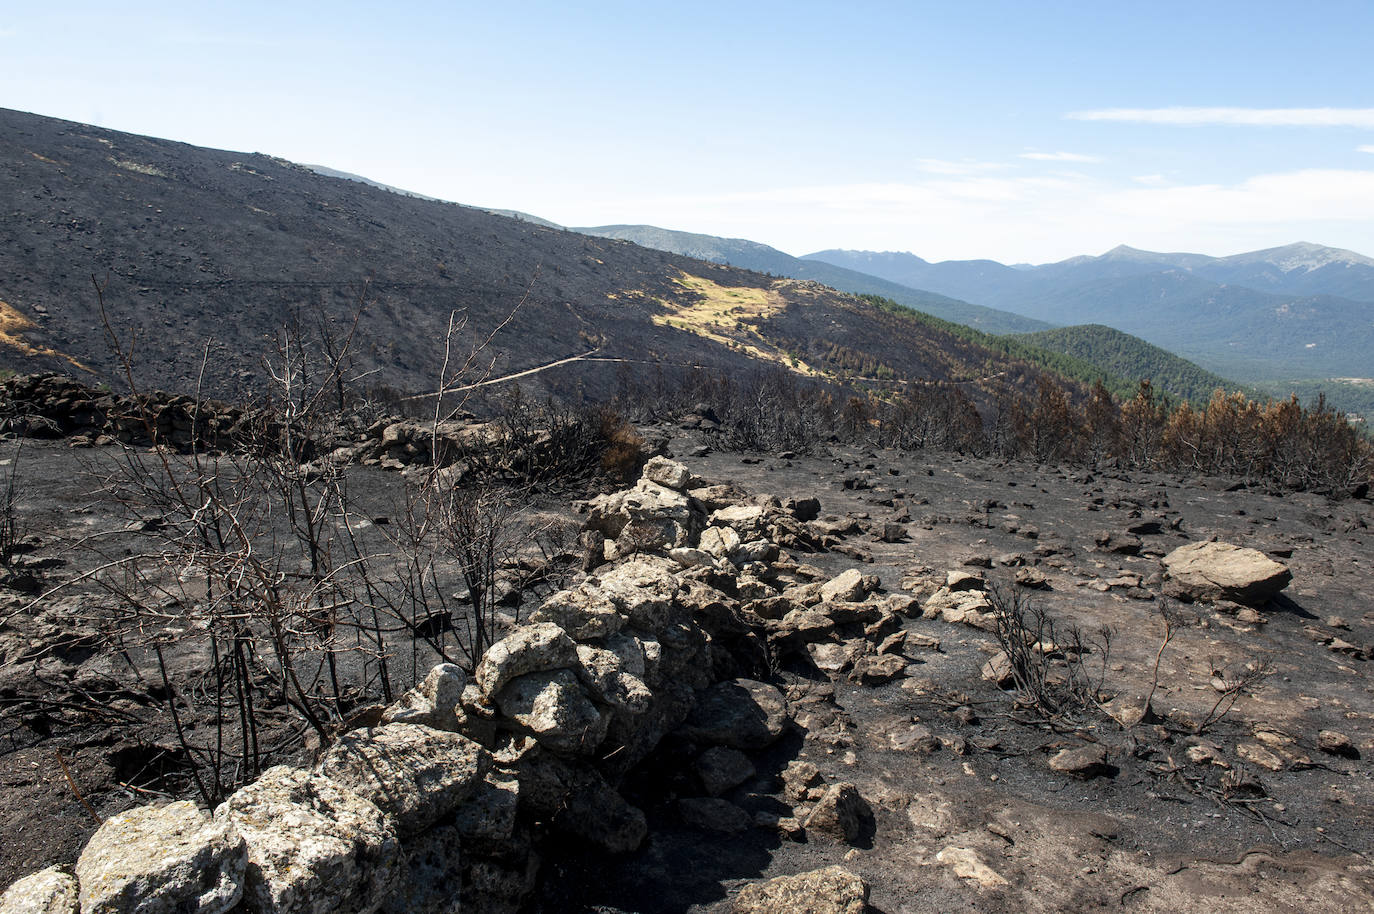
(1221, 571)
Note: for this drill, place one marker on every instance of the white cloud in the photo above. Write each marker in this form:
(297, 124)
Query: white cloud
(960, 167)
(1032, 218)
(1369, 149)
(1060, 157)
(1253, 117)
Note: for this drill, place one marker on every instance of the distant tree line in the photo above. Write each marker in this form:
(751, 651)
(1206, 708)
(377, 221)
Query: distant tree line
(1280, 443)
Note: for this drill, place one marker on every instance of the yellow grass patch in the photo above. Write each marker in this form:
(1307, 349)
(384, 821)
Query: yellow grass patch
(728, 315)
(12, 324)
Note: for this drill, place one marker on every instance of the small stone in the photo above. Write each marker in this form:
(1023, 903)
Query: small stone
(998, 670)
(878, 669)
(1334, 742)
(1084, 762)
(841, 814)
(799, 779)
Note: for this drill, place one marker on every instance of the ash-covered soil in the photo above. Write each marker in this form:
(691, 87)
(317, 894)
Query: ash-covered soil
(1252, 814)
(967, 813)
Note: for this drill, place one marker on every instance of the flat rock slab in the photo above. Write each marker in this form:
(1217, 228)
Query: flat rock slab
(1221, 571)
(171, 859)
(739, 713)
(831, 890)
(414, 774)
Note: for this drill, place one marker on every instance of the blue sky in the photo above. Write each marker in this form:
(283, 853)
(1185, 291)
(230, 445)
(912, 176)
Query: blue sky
(1014, 131)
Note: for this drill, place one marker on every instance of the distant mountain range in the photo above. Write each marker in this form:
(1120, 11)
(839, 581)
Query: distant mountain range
(1299, 311)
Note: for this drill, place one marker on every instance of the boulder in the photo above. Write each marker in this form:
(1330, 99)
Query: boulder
(432, 703)
(1221, 571)
(314, 846)
(832, 890)
(552, 707)
(528, 649)
(711, 814)
(603, 673)
(720, 768)
(841, 814)
(412, 773)
(667, 473)
(433, 870)
(162, 860)
(849, 587)
(579, 802)
(642, 589)
(739, 713)
(583, 612)
(487, 818)
(49, 891)
(800, 627)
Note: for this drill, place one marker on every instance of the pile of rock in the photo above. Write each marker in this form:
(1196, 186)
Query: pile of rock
(444, 799)
(55, 406)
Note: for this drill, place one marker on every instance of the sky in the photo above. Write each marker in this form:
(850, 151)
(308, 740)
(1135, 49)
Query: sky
(1019, 132)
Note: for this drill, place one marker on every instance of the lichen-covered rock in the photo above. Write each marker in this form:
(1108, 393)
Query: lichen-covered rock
(647, 501)
(553, 708)
(583, 612)
(841, 814)
(643, 589)
(162, 860)
(1221, 571)
(528, 649)
(432, 703)
(603, 673)
(49, 891)
(414, 774)
(745, 520)
(719, 542)
(314, 846)
(487, 818)
(832, 890)
(740, 713)
(667, 473)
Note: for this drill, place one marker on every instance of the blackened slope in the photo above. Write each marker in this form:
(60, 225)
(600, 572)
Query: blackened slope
(202, 244)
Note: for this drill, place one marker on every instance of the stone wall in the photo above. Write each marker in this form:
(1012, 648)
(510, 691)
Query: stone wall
(442, 804)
